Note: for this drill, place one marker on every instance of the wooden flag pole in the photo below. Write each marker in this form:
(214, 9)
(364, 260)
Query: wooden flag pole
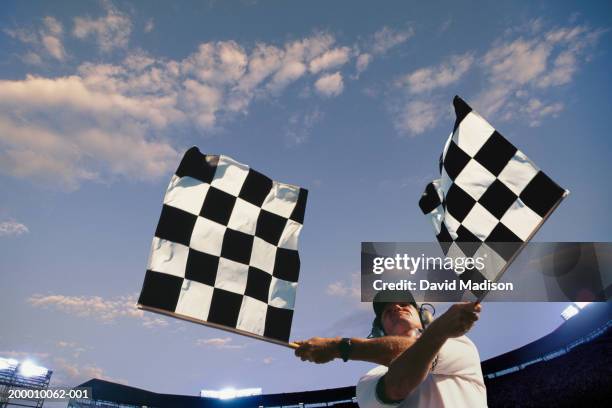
(537, 228)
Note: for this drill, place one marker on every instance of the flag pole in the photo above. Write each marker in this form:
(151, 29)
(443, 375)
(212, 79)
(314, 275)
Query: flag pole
(524, 244)
(290, 345)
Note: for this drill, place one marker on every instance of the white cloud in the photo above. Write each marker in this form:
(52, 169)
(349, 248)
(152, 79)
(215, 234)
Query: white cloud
(111, 120)
(67, 372)
(149, 25)
(416, 117)
(12, 227)
(519, 70)
(53, 26)
(300, 125)
(53, 46)
(74, 93)
(217, 63)
(536, 110)
(330, 59)
(71, 346)
(110, 32)
(519, 61)
(22, 354)
(387, 38)
(351, 289)
(51, 38)
(31, 58)
(47, 39)
(203, 101)
(219, 343)
(96, 307)
(70, 373)
(363, 61)
(66, 158)
(517, 74)
(330, 84)
(21, 34)
(268, 360)
(427, 79)
(445, 25)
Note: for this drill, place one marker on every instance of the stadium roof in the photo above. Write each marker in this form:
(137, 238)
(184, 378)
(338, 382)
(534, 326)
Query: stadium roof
(107, 391)
(593, 316)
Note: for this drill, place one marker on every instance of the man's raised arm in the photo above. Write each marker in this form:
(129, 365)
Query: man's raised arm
(410, 369)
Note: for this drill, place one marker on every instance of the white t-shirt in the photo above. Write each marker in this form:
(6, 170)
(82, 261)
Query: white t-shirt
(455, 381)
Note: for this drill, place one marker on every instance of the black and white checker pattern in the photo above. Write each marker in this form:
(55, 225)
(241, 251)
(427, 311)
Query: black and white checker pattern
(225, 250)
(490, 198)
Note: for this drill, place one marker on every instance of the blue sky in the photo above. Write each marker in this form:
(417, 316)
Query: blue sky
(352, 100)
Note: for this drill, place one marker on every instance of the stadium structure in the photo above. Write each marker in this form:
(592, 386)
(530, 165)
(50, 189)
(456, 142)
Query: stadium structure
(570, 367)
(22, 375)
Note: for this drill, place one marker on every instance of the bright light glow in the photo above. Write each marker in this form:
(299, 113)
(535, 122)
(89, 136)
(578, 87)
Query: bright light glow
(29, 369)
(581, 305)
(7, 363)
(569, 312)
(229, 393)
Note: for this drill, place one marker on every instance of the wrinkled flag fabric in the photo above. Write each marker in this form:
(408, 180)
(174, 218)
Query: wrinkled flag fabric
(225, 251)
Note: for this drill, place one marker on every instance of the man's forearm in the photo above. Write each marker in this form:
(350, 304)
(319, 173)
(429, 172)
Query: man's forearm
(409, 370)
(381, 350)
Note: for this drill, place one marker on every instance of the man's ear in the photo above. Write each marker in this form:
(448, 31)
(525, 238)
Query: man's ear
(377, 329)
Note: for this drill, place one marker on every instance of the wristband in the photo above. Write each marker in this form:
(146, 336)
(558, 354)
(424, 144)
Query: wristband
(345, 347)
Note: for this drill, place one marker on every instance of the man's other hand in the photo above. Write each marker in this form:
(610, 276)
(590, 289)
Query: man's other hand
(457, 320)
(318, 349)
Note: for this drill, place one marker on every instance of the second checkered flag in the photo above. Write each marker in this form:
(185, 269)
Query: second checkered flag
(490, 198)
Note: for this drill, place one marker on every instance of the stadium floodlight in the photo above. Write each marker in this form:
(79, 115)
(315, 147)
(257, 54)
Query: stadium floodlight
(230, 393)
(29, 369)
(7, 363)
(581, 305)
(569, 312)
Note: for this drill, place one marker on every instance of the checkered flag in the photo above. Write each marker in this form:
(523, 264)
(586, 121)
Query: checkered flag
(490, 198)
(225, 249)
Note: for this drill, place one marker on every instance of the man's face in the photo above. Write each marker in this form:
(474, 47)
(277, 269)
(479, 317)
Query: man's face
(400, 319)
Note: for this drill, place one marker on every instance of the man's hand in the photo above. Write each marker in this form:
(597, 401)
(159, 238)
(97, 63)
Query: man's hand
(318, 349)
(457, 320)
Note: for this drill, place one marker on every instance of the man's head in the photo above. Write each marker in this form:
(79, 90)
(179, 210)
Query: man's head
(397, 316)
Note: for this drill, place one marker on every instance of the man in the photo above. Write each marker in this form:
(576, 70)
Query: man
(421, 365)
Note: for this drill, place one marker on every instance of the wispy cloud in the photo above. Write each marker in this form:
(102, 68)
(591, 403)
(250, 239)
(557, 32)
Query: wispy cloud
(67, 372)
(109, 32)
(416, 116)
(70, 373)
(149, 25)
(111, 120)
(300, 125)
(96, 307)
(350, 288)
(45, 41)
(12, 227)
(387, 38)
(447, 73)
(363, 61)
(377, 45)
(218, 343)
(331, 59)
(75, 349)
(330, 85)
(518, 73)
